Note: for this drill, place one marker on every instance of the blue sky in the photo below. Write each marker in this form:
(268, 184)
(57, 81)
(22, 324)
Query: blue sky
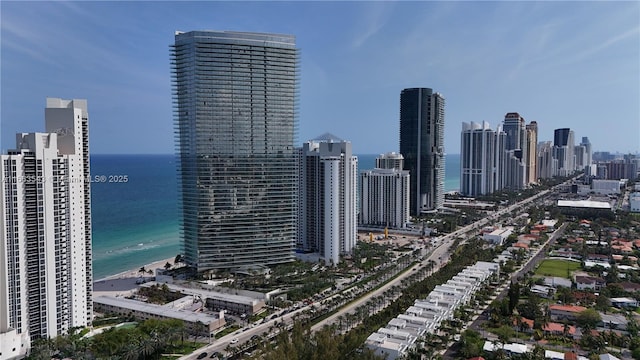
(562, 64)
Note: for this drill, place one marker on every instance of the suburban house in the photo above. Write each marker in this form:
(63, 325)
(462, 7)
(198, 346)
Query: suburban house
(624, 302)
(561, 312)
(590, 283)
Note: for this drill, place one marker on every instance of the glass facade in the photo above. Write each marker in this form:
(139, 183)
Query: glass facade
(235, 111)
(422, 145)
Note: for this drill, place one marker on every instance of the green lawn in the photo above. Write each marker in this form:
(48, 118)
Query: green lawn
(559, 268)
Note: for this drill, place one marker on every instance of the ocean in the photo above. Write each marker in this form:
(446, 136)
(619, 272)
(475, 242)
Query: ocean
(136, 222)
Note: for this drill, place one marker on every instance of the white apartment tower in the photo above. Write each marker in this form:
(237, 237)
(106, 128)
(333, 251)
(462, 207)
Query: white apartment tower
(45, 232)
(482, 152)
(327, 202)
(384, 193)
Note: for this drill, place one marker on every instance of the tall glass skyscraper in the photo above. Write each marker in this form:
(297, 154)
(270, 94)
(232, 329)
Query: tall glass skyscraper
(235, 114)
(422, 145)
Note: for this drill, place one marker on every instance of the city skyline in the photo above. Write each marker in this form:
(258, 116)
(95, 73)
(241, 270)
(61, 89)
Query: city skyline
(554, 63)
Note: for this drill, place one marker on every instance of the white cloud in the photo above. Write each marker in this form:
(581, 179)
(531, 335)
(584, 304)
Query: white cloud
(375, 17)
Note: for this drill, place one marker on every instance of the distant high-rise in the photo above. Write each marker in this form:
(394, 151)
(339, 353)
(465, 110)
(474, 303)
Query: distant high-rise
(547, 164)
(584, 155)
(327, 209)
(481, 155)
(564, 147)
(390, 160)
(422, 145)
(236, 120)
(516, 145)
(45, 240)
(384, 193)
(515, 128)
(531, 156)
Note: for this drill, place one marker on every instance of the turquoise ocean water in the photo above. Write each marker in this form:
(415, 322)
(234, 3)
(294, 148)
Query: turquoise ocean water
(136, 222)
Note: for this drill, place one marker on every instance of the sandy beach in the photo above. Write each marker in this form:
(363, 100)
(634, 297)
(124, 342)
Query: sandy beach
(123, 283)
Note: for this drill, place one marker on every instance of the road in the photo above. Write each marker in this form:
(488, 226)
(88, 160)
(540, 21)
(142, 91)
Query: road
(440, 255)
(539, 255)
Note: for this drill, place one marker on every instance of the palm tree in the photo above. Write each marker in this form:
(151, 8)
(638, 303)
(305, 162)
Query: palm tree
(131, 351)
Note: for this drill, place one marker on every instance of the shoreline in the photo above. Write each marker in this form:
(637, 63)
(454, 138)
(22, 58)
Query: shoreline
(123, 283)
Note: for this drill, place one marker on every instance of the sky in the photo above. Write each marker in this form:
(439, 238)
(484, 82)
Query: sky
(562, 64)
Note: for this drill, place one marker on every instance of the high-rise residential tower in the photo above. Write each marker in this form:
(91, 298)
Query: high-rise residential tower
(516, 146)
(515, 128)
(564, 147)
(422, 145)
(531, 156)
(328, 185)
(45, 237)
(583, 154)
(384, 193)
(236, 120)
(547, 165)
(481, 159)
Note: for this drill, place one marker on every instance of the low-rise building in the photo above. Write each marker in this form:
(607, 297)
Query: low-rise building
(195, 322)
(556, 282)
(561, 312)
(554, 328)
(217, 300)
(425, 316)
(613, 321)
(590, 283)
(624, 302)
(498, 236)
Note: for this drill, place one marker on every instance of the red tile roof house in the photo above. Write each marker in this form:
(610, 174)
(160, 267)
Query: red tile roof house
(622, 249)
(584, 298)
(618, 257)
(570, 355)
(558, 329)
(636, 243)
(590, 283)
(528, 237)
(561, 312)
(525, 325)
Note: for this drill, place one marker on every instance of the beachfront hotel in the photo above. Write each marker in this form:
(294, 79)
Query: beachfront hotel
(328, 215)
(422, 145)
(45, 237)
(235, 117)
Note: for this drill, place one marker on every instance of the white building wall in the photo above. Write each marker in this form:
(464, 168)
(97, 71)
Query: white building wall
(331, 210)
(320, 158)
(65, 117)
(351, 209)
(43, 237)
(384, 198)
(605, 187)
